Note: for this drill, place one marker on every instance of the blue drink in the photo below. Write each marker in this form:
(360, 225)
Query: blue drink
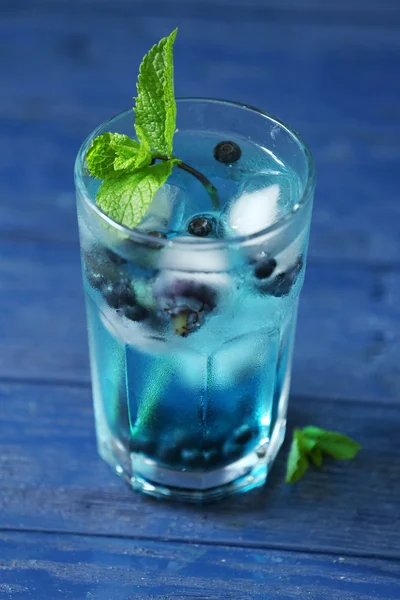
(191, 337)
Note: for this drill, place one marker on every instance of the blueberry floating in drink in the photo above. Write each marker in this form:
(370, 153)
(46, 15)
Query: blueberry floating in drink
(201, 226)
(114, 258)
(118, 294)
(101, 266)
(227, 152)
(243, 434)
(158, 234)
(190, 284)
(186, 302)
(135, 313)
(282, 282)
(144, 443)
(264, 267)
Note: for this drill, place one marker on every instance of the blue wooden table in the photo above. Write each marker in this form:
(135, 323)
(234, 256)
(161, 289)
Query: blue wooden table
(69, 528)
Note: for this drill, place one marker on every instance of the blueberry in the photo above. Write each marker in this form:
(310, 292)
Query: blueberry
(116, 259)
(99, 267)
(282, 283)
(169, 453)
(193, 458)
(142, 442)
(186, 303)
(232, 450)
(227, 152)
(186, 321)
(265, 268)
(189, 294)
(243, 434)
(95, 278)
(157, 234)
(201, 226)
(136, 313)
(185, 438)
(211, 456)
(118, 295)
(160, 235)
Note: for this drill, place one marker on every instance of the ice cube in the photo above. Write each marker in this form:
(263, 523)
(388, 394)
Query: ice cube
(290, 255)
(138, 335)
(186, 254)
(192, 275)
(253, 211)
(165, 211)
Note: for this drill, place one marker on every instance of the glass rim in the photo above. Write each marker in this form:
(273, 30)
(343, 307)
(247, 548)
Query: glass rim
(203, 243)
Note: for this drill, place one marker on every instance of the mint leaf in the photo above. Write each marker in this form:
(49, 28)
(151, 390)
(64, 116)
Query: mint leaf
(155, 107)
(129, 154)
(127, 198)
(316, 456)
(308, 443)
(297, 461)
(311, 443)
(113, 152)
(335, 444)
(100, 156)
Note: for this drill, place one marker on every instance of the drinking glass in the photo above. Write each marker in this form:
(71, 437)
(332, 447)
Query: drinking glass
(191, 339)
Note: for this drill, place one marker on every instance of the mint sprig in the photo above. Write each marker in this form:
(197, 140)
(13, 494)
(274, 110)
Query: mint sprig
(114, 154)
(311, 444)
(126, 200)
(127, 167)
(155, 107)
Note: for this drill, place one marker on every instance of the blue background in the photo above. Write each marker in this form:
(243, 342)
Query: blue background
(69, 528)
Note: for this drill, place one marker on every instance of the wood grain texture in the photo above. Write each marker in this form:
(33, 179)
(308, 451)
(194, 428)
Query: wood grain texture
(53, 480)
(306, 12)
(306, 6)
(312, 76)
(331, 70)
(348, 339)
(41, 566)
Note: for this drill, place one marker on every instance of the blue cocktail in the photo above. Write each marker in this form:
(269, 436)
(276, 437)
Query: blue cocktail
(191, 316)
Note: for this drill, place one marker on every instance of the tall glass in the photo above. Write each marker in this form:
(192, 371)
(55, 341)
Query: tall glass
(191, 339)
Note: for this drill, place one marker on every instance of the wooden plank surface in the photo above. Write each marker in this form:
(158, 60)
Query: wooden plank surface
(66, 566)
(53, 480)
(330, 69)
(312, 76)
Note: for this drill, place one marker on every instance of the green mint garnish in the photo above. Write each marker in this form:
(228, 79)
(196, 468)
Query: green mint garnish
(310, 444)
(112, 154)
(155, 108)
(127, 167)
(126, 199)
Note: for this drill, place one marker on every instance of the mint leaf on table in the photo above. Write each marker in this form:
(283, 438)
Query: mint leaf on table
(335, 444)
(316, 456)
(310, 444)
(297, 463)
(155, 107)
(127, 198)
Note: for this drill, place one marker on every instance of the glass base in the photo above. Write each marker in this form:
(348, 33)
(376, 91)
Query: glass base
(148, 477)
